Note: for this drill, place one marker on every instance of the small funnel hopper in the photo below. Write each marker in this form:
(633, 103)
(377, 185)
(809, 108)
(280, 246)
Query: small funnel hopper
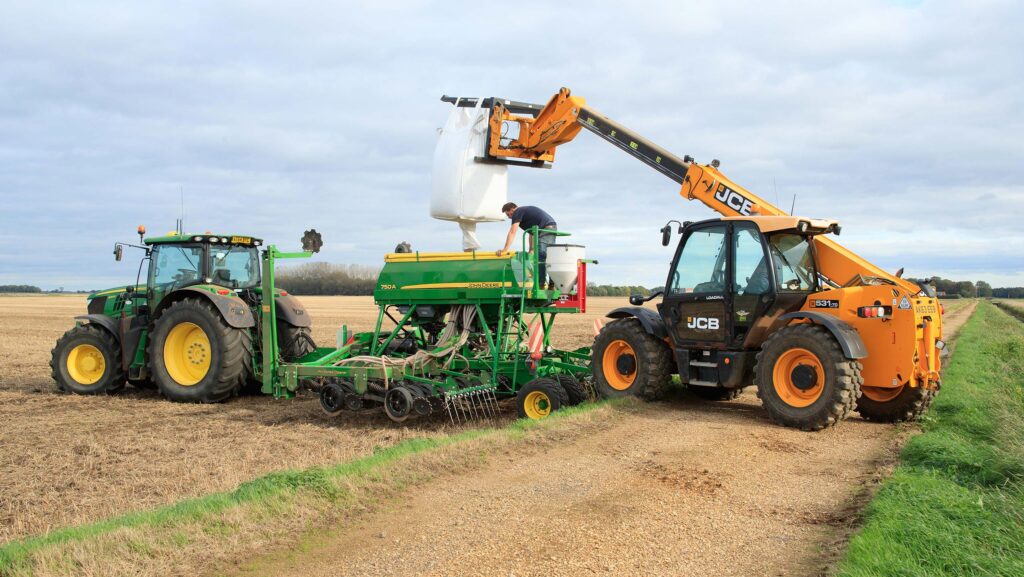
(563, 265)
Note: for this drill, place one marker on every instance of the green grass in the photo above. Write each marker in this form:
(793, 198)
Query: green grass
(955, 505)
(269, 495)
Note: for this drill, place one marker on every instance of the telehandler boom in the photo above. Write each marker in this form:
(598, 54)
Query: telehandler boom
(757, 296)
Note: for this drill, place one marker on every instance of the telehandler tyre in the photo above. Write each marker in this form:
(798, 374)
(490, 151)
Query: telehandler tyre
(539, 398)
(627, 360)
(803, 379)
(87, 361)
(195, 356)
(894, 405)
(715, 393)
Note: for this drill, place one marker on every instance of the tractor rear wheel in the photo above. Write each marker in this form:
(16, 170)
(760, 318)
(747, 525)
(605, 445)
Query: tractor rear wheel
(905, 403)
(293, 341)
(715, 393)
(804, 380)
(539, 398)
(87, 361)
(627, 360)
(195, 356)
(574, 389)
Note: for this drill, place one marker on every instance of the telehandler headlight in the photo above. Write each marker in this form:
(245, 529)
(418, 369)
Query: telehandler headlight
(875, 312)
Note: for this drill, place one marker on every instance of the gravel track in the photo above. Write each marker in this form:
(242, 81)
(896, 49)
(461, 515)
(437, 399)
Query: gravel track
(683, 487)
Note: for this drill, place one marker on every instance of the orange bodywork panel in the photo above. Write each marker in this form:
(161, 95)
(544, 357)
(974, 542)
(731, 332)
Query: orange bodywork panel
(901, 349)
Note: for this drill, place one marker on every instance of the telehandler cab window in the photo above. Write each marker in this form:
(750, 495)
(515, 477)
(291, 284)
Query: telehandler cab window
(235, 267)
(794, 262)
(176, 264)
(752, 276)
(701, 265)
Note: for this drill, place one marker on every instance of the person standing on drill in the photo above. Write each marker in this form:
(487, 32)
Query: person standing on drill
(525, 217)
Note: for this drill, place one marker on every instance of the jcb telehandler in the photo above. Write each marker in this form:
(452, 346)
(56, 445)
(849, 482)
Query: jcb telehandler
(757, 297)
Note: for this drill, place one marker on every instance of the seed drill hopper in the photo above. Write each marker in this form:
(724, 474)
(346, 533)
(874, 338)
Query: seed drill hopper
(455, 334)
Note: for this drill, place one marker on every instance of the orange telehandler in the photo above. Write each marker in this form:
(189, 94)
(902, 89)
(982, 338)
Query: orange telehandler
(756, 297)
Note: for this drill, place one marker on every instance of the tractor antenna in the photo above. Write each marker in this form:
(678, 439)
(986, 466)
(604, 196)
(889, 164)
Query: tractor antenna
(792, 207)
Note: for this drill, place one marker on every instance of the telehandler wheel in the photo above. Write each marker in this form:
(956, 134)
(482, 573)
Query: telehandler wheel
(195, 356)
(803, 379)
(905, 403)
(574, 389)
(715, 393)
(87, 361)
(626, 360)
(539, 398)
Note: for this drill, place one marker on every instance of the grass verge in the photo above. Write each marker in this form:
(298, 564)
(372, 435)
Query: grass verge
(955, 505)
(198, 534)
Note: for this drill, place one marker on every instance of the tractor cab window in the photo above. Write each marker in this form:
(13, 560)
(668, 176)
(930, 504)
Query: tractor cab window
(176, 265)
(794, 262)
(234, 266)
(701, 266)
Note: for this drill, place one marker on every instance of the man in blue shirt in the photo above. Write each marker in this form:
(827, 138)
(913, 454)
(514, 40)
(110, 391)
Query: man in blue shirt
(525, 217)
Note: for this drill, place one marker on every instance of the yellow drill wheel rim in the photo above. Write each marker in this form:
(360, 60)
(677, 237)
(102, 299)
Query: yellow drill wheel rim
(537, 405)
(86, 364)
(785, 381)
(881, 394)
(610, 365)
(187, 353)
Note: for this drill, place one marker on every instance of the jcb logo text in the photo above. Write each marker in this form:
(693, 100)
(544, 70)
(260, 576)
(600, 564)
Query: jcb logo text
(702, 323)
(733, 200)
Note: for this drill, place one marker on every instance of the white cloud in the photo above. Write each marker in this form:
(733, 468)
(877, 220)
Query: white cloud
(900, 119)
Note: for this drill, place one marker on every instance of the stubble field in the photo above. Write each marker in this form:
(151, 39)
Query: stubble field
(67, 460)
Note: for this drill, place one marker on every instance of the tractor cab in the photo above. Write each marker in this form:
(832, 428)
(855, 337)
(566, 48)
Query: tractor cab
(181, 260)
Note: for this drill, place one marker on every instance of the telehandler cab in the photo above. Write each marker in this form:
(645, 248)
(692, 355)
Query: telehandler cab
(758, 297)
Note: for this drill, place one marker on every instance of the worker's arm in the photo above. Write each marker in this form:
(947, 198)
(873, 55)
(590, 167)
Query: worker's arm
(509, 239)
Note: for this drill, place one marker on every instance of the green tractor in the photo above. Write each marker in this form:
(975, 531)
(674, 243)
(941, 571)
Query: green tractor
(194, 330)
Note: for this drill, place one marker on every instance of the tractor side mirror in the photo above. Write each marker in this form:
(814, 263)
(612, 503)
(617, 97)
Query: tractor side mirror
(666, 235)
(118, 252)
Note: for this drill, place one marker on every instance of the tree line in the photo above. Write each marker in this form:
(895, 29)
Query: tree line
(19, 288)
(320, 278)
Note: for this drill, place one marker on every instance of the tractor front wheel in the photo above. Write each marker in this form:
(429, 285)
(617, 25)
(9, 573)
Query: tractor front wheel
(803, 379)
(87, 361)
(627, 360)
(195, 356)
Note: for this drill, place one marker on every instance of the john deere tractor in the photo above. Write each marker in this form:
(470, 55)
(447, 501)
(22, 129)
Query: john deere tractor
(193, 330)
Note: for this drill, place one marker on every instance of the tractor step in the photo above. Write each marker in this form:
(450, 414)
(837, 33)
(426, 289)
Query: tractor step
(703, 364)
(697, 383)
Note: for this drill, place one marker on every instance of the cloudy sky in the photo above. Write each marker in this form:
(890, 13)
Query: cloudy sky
(902, 119)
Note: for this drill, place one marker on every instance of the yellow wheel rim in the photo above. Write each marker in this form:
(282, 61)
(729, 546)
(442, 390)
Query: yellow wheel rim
(881, 394)
(798, 377)
(619, 375)
(537, 405)
(86, 364)
(187, 354)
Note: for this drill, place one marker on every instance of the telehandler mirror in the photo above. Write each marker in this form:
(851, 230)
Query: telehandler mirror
(666, 235)
(118, 252)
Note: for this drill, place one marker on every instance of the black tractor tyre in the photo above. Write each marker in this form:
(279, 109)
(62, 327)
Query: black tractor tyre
(715, 393)
(574, 389)
(839, 386)
(229, 352)
(539, 398)
(91, 354)
(628, 361)
(294, 342)
(910, 404)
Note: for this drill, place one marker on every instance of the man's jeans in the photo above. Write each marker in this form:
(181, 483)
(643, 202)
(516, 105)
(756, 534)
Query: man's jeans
(543, 242)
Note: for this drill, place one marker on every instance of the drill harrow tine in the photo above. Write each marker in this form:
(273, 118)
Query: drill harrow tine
(448, 407)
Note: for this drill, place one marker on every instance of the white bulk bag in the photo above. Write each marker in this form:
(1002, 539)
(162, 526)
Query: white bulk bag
(461, 188)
